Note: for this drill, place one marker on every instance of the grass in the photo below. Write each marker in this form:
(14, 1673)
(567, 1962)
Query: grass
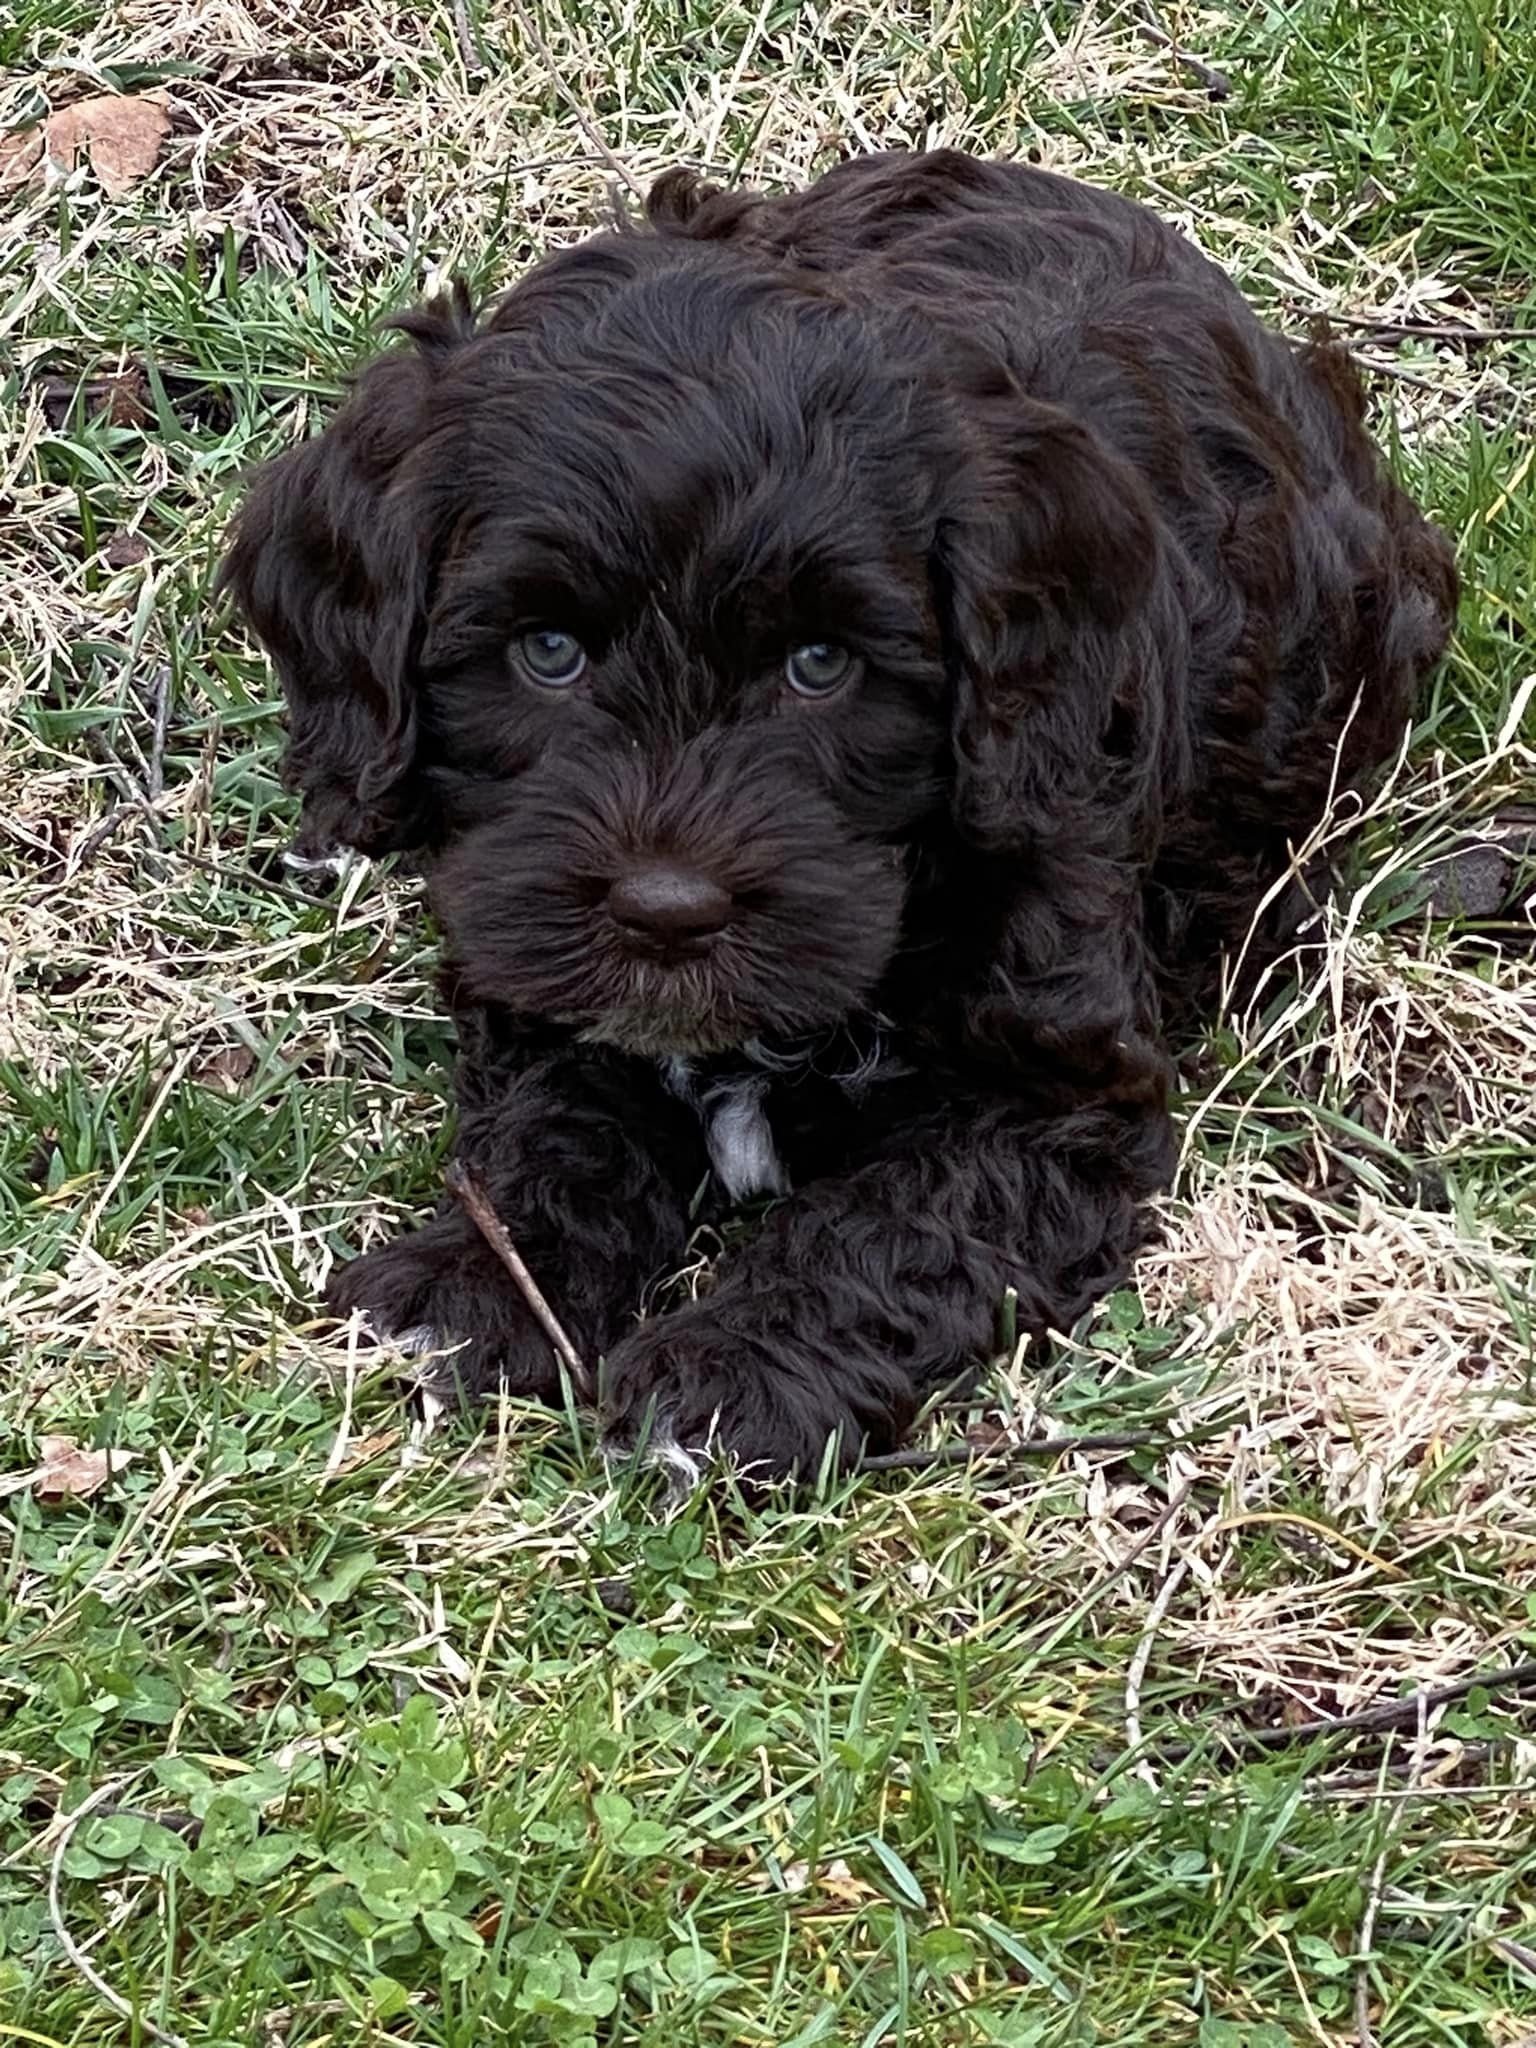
(337, 1731)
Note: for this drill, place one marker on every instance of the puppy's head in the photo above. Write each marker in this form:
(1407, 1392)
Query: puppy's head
(668, 610)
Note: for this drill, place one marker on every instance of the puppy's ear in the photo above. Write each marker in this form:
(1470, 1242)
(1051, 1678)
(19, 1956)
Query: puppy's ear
(330, 563)
(1056, 588)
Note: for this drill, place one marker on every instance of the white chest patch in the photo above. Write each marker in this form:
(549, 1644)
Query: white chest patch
(740, 1143)
(737, 1134)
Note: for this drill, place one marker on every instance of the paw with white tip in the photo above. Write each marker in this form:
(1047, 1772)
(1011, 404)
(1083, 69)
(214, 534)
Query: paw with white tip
(439, 1296)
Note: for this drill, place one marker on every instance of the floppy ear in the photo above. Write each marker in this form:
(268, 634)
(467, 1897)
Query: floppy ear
(1061, 631)
(330, 563)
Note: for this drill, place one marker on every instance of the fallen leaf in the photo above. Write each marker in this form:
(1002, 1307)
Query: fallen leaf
(20, 153)
(839, 1883)
(228, 1067)
(364, 1449)
(40, 1160)
(986, 1434)
(68, 1472)
(121, 398)
(125, 550)
(121, 137)
(834, 1878)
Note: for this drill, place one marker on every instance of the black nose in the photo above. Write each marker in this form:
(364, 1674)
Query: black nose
(669, 902)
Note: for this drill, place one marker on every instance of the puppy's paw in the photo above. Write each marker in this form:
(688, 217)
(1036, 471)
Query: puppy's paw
(691, 1391)
(439, 1295)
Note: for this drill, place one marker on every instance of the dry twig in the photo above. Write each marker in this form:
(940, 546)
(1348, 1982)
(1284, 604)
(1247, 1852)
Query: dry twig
(469, 44)
(467, 1185)
(1434, 330)
(588, 127)
(1137, 1669)
(1515, 1953)
(1151, 1535)
(1404, 1713)
(1002, 1454)
(1152, 30)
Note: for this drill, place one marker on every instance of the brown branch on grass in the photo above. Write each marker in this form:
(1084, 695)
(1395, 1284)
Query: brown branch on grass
(1424, 1785)
(950, 1455)
(239, 874)
(106, 827)
(1151, 30)
(588, 127)
(1149, 1536)
(1507, 1682)
(463, 1182)
(1396, 371)
(1433, 330)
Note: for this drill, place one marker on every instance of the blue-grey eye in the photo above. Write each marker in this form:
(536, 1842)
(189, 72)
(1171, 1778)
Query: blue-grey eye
(549, 656)
(819, 669)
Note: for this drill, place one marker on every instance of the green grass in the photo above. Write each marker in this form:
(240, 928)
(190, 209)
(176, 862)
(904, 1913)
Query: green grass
(462, 1740)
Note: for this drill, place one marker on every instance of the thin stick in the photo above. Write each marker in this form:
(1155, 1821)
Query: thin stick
(241, 877)
(1352, 1784)
(467, 1185)
(1151, 30)
(1434, 330)
(72, 1949)
(1513, 1678)
(1001, 1454)
(160, 717)
(1137, 1670)
(1395, 370)
(468, 42)
(1365, 2036)
(106, 827)
(589, 129)
(1151, 1535)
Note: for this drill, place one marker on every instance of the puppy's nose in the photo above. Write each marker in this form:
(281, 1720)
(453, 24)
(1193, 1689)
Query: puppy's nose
(665, 901)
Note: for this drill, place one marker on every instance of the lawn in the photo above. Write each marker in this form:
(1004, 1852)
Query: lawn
(319, 1724)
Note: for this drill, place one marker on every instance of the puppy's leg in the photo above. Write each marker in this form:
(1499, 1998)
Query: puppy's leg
(590, 1165)
(862, 1293)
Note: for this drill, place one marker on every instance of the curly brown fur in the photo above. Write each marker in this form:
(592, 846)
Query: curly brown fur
(1128, 592)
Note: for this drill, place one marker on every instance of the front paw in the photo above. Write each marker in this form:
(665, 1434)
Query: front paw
(691, 1387)
(440, 1294)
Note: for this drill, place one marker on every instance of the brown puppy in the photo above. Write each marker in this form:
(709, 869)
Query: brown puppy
(854, 661)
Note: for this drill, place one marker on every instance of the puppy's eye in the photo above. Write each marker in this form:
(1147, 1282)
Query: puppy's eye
(549, 657)
(819, 669)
